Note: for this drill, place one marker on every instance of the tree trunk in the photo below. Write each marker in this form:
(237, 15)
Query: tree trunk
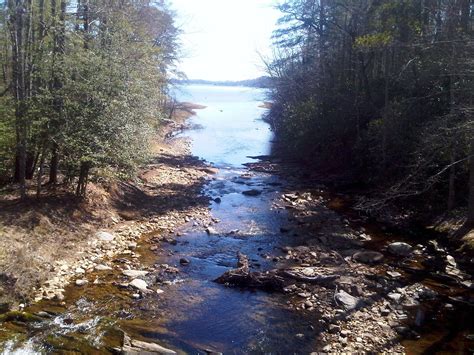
(83, 179)
(40, 174)
(470, 212)
(451, 183)
(16, 24)
(53, 168)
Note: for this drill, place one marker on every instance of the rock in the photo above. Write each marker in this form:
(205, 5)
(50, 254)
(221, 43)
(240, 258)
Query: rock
(217, 200)
(135, 273)
(345, 333)
(139, 285)
(159, 291)
(368, 257)
(394, 296)
(346, 300)
(400, 248)
(81, 282)
(132, 246)
(102, 267)
(302, 249)
(80, 271)
(394, 274)
(135, 347)
(211, 231)
(184, 261)
(451, 261)
(252, 192)
(105, 236)
(44, 314)
(333, 329)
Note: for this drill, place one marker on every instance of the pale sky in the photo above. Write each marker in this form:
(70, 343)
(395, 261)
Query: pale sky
(222, 39)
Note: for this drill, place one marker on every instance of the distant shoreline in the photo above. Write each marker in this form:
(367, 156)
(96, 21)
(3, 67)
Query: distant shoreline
(262, 82)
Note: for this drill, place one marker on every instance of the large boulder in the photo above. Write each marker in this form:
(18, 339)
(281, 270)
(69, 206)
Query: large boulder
(400, 249)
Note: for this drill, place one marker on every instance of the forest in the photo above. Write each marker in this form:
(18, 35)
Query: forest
(388, 85)
(84, 84)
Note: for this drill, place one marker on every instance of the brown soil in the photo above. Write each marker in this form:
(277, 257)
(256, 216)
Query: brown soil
(40, 236)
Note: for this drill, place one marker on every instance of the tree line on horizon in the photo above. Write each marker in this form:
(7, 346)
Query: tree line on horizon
(84, 83)
(380, 92)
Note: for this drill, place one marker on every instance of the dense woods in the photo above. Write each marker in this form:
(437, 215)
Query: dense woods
(83, 85)
(382, 92)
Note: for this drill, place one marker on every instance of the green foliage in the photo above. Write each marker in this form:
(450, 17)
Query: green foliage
(98, 80)
(375, 40)
(7, 139)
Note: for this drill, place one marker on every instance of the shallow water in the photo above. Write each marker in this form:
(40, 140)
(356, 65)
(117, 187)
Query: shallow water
(204, 314)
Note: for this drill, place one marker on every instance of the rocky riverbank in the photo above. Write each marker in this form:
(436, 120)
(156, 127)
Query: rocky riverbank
(47, 244)
(372, 290)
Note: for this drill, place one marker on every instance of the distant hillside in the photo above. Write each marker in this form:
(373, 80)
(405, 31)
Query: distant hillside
(261, 82)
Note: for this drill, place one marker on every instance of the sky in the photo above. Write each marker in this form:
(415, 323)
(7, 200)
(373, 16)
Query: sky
(223, 39)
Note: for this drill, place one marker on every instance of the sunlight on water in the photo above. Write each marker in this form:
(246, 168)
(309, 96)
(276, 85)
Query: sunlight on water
(232, 126)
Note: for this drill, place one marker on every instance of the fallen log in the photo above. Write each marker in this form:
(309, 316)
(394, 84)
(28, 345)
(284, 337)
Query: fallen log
(273, 280)
(319, 279)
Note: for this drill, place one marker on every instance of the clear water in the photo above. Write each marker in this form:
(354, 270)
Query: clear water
(231, 126)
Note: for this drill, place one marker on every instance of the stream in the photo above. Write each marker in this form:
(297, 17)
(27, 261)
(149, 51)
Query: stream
(195, 314)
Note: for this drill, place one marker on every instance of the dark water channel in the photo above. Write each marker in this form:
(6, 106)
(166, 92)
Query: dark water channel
(194, 314)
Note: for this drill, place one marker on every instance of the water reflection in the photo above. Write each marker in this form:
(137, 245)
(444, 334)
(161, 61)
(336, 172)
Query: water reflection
(232, 128)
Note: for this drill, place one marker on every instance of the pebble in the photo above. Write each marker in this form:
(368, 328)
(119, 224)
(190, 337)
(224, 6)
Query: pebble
(102, 267)
(139, 284)
(135, 273)
(81, 282)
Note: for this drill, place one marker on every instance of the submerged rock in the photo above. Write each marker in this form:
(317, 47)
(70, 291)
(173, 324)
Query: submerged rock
(252, 192)
(211, 231)
(400, 248)
(368, 257)
(135, 273)
(184, 261)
